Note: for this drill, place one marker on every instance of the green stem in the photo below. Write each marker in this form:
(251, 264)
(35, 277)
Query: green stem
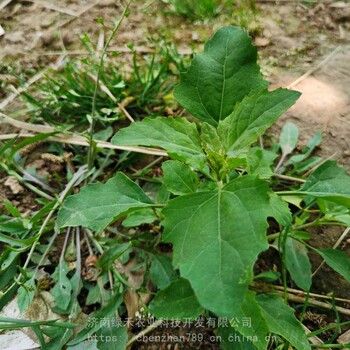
(91, 149)
(101, 251)
(144, 170)
(331, 346)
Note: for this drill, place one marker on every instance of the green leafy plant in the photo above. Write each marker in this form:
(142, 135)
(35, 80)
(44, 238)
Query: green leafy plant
(216, 219)
(200, 227)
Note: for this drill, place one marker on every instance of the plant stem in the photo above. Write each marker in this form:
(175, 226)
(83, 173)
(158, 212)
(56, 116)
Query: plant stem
(91, 148)
(144, 170)
(288, 178)
(101, 251)
(281, 161)
(330, 346)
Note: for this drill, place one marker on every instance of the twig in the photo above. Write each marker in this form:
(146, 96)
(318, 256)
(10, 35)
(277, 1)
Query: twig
(313, 70)
(281, 161)
(103, 87)
(337, 243)
(320, 296)
(73, 139)
(126, 113)
(288, 178)
(149, 329)
(317, 303)
(29, 177)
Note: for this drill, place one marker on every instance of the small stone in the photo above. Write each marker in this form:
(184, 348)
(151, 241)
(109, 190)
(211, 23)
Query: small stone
(14, 185)
(261, 41)
(346, 154)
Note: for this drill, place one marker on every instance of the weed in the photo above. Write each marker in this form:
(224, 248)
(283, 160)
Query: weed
(197, 227)
(241, 11)
(65, 97)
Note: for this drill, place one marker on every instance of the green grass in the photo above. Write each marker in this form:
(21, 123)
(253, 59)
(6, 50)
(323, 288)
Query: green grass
(66, 96)
(199, 10)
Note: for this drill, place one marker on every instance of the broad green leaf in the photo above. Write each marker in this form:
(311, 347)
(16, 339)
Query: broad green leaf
(230, 339)
(221, 76)
(300, 235)
(334, 212)
(252, 117)
(337, 260)
(280, 210)
(26, 294)
(260, 162)
(8, 272)
(217, 236)
(63, 289)
(310, 146)
(251, 313)
(97, 205)
(162, 271)
(307, 164)
(295, 200)
(177, 136)
(12, 226)
(176, 301)
(329, 181)
(94, 295)
(179, 178)
(298, 263)
(289, 138)
(139, 217)
(280, 319)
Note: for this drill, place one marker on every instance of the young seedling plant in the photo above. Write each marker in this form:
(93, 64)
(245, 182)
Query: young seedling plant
(215, 199)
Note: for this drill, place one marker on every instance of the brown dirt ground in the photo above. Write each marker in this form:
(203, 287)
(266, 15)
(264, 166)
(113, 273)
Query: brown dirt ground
(292, 38)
